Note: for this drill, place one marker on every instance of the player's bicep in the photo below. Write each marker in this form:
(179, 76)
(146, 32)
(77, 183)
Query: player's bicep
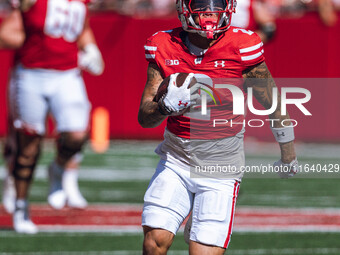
(258, 71)
(154, 79)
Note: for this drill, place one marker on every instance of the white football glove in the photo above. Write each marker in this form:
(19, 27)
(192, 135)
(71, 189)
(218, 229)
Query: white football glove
(178, 99)
(286, 170)
(90, 59)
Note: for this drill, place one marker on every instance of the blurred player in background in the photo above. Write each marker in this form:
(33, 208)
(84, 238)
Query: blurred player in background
(254, 15)
(327, 11)
(297, 8)
(55, 39)
(204, 46)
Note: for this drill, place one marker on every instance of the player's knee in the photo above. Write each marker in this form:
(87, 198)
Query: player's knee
(8, 153)
(26, 158)
(70, 144)
(155, 243)
(23, 173)
(151, 246)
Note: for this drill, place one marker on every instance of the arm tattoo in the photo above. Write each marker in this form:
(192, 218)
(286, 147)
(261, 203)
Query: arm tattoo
(262, 82)
(259, 71)
(149, 115)
(153, 77)
(260, 79)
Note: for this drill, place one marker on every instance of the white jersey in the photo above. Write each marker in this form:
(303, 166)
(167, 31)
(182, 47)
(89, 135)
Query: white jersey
(243, 16)
(336, 3)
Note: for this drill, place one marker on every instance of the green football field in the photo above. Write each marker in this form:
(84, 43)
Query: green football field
(120, 176)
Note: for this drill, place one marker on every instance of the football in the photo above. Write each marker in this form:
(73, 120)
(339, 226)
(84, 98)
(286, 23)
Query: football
(163, 87)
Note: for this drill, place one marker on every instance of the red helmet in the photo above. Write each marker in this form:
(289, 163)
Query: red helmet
(214, 16)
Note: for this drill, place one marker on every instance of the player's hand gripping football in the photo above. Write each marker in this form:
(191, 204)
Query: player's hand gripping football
(90, 59)
(178, 98)
(286, 170)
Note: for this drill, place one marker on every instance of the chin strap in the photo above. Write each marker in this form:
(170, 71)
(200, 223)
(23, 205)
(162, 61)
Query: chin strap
(208, 25)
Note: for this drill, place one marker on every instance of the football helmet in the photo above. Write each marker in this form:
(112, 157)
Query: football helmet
(206, 17)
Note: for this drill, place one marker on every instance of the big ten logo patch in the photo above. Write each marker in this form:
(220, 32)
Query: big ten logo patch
(171, 62)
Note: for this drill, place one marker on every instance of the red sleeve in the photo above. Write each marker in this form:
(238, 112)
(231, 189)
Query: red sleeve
(251, 50)
(151, 49)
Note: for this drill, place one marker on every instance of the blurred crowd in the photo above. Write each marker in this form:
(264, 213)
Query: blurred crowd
(138, 8)
(164, 8)
(278, 8)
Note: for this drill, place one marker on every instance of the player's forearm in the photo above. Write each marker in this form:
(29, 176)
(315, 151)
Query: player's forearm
(86, 37)
(12, 34)
(149, 115)
(287, 148)
(327, 12)
(260, 79)
(287, 152)
(11, 40)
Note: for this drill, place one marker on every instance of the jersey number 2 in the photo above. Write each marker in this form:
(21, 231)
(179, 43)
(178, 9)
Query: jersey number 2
(65, 19)
(236, 30)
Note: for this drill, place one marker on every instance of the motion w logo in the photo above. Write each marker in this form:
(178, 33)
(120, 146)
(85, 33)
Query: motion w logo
(208, 90)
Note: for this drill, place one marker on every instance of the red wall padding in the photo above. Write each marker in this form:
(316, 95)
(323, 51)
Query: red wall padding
(303, 48)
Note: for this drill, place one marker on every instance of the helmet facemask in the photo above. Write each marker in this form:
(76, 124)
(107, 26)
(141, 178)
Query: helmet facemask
(212, 16)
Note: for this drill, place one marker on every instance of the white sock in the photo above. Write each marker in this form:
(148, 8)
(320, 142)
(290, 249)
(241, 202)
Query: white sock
(70, 181)
(70, 186)
(21, 204)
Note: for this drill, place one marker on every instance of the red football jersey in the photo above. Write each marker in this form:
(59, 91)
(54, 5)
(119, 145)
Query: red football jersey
(52, 28)
(233, 52)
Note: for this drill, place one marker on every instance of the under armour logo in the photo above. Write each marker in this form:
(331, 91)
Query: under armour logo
(282, 134)
(217, 64)
(181, 103)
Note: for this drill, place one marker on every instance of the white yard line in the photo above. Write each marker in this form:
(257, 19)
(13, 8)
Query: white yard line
(138, 229)
(99, 174)
(122, 230)
(90, 229)
(288, 229)
(284, 251)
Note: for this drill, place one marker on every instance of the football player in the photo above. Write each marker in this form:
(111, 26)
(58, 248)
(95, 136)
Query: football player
(254, 15)
(205, 46)
(55, 39)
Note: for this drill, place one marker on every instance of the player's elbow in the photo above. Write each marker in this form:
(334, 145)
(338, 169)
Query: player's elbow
(142, 120)
(146, 121)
